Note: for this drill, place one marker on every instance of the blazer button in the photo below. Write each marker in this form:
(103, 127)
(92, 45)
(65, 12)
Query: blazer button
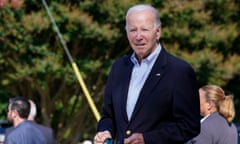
(128, 132)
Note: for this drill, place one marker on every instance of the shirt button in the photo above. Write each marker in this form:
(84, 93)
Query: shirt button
(128, 132)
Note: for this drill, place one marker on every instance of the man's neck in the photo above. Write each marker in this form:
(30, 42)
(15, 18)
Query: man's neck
(18, 121)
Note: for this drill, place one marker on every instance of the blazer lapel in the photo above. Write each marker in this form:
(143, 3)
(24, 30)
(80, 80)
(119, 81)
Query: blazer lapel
(155, 75)
(128, 72)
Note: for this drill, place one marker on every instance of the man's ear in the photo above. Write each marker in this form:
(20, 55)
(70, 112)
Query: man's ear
(158, 33)
(14, 113)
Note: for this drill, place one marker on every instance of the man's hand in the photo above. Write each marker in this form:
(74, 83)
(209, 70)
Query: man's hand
(100, 137)
(136, 138)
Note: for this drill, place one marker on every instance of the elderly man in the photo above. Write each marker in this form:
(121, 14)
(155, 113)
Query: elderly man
(151, 97)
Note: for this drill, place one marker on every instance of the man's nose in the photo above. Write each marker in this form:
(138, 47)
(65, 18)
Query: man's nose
(138, 35)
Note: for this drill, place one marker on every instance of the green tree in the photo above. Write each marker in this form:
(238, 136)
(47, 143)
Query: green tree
(33, 62)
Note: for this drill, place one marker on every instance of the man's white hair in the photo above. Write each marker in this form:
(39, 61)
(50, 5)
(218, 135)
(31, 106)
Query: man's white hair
(141, 7)
(33, 110)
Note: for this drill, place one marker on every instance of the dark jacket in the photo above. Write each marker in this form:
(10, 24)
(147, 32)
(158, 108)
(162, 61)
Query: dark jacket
(25, 133)
(46, 131)
(167, 110)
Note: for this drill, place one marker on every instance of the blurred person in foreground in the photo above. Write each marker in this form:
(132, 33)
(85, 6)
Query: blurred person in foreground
(47, 132)
(151, 97)
(218, 112)
(24, 132)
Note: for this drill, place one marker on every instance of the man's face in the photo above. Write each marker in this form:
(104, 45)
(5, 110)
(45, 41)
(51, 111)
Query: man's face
(142, 33)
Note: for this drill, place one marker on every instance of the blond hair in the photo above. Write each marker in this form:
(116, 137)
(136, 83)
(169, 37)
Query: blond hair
(223, 103)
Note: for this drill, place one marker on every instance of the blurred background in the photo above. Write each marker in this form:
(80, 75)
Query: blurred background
(33, 63)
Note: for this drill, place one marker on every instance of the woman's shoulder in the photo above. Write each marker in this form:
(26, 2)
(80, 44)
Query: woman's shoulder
(214, 120)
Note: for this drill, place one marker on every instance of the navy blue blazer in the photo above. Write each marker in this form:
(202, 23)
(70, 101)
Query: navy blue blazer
(167, 110)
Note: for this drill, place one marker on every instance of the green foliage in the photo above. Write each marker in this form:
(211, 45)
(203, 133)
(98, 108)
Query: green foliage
(33, 62)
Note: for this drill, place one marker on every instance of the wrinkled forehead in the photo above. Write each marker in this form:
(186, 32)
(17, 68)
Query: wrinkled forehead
(143, 17)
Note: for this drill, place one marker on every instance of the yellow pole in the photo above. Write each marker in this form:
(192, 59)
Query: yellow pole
(75, 68)
(86, 93)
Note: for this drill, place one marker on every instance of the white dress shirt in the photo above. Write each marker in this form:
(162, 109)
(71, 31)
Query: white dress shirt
(139, 75)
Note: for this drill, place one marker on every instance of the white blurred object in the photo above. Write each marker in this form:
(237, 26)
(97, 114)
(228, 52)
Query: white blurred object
(87, 142)
(2, 137)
